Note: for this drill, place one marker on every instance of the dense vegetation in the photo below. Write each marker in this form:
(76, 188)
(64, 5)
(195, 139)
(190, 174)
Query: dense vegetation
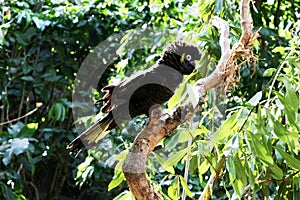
(42, 46)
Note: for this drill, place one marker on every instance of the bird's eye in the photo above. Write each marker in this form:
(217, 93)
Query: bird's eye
(188, 57)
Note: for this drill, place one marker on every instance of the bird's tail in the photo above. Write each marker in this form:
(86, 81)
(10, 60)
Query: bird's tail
(93, 135)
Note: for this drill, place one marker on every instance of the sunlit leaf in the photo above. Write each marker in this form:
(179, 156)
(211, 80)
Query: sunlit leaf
(178, 97)
(173, 189)
(116, 181)
(269, 72)
(28, 130)
(238, 187)
(186, 135)
(225, 130)
(161, 160)
(256, 98)
(176, 157)
(185, 187)
(279, 49)
(202, 169)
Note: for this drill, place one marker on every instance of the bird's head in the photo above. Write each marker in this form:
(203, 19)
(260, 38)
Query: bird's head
(181, 56)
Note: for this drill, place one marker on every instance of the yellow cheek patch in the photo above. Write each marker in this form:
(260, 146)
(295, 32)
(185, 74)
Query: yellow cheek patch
(182, 58)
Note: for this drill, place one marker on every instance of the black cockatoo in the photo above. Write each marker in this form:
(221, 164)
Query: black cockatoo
(137, 94)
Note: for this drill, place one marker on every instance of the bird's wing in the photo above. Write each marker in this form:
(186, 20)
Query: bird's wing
(119, 95)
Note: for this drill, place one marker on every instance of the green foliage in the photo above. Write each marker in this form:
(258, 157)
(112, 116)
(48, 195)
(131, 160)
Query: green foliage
(42, 45)
(255, 152)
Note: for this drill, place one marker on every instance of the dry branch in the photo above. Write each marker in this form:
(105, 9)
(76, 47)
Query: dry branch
(158, 128)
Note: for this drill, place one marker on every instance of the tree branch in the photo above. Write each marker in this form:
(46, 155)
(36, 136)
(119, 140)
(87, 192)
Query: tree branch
(38, 105)
(158, 127)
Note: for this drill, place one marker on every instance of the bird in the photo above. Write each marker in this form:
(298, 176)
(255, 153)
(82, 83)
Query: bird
(139, 93)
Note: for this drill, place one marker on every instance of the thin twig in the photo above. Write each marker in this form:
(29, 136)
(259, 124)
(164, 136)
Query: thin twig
(213, 179)
(270, 180)
(17, 119)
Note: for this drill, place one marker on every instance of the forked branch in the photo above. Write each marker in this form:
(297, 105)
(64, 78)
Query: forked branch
(158, 128)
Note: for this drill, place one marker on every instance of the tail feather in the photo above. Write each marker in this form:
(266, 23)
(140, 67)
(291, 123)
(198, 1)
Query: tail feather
(91, 137)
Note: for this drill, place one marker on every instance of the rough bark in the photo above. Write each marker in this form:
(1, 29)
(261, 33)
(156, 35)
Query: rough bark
(158, 127)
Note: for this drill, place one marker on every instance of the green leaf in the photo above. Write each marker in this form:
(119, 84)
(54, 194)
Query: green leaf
(175, 158)
(238, 187)
(259, 149)
(51, 76)
(27, 78)
(28, 130)
(225, 130)
(240, 170)
(87, 173)
(41, 24)
(280, 50)
(7, 156)
(173, 189)
(280, 130)
(278, 173)
(161, 160)
(185, 135)
(82, 167)
(291, 97)
(296, 64)
(15, 129)
(185, 187)
(249, 173)
(218, 6)
(269, 72)
(68, 103)
(171, 142)
(29, 33)
(202, 65)
(2, 35)
(233, 145)
(178, 96)
(290, 160)
(20, 38)
(31, 162)
(289, 111)
(202, 169)
(6, 191)
(126, 195)
(58, 112)
(116, 181)
(122, 155)
(230, 166)
(19, 145)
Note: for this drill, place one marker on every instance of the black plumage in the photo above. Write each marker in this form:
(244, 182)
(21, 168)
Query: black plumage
(137, 94)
